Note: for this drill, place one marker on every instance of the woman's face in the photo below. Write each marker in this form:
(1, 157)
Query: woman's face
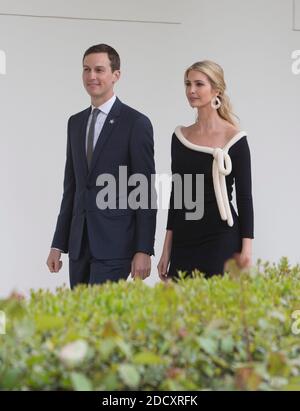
(198, 89)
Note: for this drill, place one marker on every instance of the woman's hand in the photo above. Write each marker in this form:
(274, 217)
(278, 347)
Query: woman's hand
(244, 258)
(162, 266)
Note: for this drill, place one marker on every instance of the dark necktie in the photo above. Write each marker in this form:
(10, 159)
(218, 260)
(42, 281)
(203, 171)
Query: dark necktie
(90, 142)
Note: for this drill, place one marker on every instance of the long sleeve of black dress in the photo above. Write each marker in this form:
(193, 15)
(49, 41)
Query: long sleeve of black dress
(241, 170)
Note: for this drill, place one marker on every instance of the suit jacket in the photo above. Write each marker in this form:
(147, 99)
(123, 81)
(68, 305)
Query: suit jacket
(126, 139)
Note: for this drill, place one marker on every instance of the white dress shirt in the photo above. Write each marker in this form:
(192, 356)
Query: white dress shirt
(104, 111)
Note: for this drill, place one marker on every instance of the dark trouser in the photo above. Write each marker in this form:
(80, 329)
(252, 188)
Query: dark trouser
(88, 270)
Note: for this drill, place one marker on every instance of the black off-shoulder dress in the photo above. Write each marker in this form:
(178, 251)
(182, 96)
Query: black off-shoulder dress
(205, 244)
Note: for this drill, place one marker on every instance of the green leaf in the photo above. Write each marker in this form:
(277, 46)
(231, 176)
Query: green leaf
(9, 380)
(293, 385)
(80, 382)
(227, 344)
(124, 347)
(208, 345)
(147, 358)
(107, 346)
(129, 375)
(47, 322)
(277, 364)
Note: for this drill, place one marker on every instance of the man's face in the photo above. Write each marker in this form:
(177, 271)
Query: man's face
(98, 78)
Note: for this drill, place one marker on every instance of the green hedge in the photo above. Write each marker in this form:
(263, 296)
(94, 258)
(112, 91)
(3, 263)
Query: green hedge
(232, 333)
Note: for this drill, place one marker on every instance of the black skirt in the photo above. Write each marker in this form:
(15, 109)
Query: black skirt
(209, 257)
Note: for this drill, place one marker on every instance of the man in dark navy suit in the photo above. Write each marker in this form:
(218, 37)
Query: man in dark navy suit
(105, 243)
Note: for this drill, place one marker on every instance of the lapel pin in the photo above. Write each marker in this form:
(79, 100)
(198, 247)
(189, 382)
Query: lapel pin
(111, 121)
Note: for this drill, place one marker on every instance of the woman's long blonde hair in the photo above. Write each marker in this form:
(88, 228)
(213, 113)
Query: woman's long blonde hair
(215, 75)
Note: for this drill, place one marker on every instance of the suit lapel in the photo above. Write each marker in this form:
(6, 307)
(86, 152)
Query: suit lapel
(109, 125)
(82, 140)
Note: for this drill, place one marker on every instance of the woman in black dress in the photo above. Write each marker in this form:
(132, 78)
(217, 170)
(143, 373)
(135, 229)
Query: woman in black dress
(215, 147)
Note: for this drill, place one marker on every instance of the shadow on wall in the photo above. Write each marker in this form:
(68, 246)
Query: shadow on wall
(296, 62)
(2, 62)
